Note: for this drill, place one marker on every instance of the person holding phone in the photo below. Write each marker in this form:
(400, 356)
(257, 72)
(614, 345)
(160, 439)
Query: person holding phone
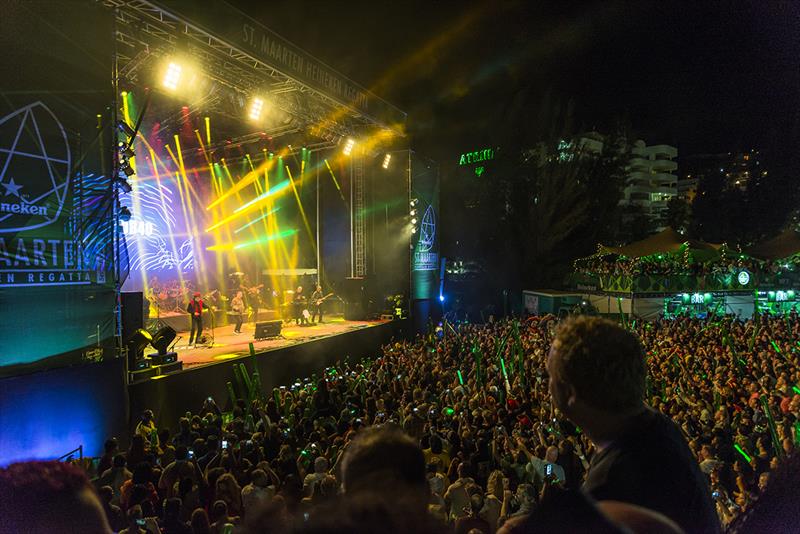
(553, 472)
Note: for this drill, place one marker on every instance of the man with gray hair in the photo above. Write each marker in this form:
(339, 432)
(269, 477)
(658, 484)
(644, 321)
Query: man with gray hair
(597, 380)
(321, 466)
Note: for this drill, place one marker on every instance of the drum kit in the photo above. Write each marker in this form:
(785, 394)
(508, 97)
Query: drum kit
(171, 296)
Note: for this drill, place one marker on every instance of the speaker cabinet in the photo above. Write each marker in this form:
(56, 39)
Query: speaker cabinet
(268, 329)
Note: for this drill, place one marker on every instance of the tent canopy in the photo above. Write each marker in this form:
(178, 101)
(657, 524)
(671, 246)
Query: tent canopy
(785, 244)
(664, 242)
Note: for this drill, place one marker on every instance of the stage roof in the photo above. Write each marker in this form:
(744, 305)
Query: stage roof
(242, 55)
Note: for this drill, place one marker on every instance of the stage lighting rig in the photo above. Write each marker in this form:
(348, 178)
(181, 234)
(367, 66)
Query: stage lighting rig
(413, 214)
(125, 128)
(125, 149)
(348, 146)
(172, 76)
(256, 107)
(123, 184)
(126, 168)
(386, 160)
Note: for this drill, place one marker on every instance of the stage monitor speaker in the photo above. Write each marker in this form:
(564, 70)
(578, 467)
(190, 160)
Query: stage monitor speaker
(268, 329)
(132, 313)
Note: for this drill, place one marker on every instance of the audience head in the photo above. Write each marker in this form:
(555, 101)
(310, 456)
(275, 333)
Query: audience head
(596, 366)
(379, 455)
(49, 497)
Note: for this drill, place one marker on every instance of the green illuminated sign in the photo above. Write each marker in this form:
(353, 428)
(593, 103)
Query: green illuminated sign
(468, 158)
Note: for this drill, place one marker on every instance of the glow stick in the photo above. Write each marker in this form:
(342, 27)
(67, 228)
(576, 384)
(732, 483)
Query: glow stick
(744, 454)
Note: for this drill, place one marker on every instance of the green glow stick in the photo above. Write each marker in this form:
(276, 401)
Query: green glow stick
(777, 348)
(796, 389)
(744, 454)
(503, 365)
(460, 378)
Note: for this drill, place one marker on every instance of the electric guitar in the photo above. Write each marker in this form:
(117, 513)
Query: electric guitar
(323, 299)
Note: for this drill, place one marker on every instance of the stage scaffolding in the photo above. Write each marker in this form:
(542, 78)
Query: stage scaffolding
(149, 30)
(238, 56)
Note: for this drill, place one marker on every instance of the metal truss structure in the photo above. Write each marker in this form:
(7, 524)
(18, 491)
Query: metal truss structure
(146, 32)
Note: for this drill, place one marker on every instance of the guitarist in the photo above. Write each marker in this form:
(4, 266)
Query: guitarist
(317, 298)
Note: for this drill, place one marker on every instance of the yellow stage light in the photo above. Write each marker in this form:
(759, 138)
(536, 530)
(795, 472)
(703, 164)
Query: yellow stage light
(256, 107)
(348, 147)
(173, 76)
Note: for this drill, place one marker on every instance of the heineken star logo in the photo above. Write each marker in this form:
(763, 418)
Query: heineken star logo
(12, 188)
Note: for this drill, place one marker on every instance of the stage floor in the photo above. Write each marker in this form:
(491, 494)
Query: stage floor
(228, 345)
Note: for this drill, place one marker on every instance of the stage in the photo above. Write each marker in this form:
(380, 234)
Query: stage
(304, 352)
(227, 345)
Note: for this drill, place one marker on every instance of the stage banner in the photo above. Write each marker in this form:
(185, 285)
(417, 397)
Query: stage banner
(57, 270)
(425, 240)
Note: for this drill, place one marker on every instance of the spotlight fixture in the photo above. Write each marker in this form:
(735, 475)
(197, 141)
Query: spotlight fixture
(125, 214)
(125, 167)
(123, 184)
(414, 220)
(386, 159)
(256, 106)
(126, 150)
(348, 147)
(125, 128)
(413, 212)
(173, 76)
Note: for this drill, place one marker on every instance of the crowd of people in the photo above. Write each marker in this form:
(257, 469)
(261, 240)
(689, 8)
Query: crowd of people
(512, 426)
(679, 263)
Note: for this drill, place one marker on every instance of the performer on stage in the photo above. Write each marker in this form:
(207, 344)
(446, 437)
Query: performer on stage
(237, 306)
(195, 309)
(316, 304)
(300, 306)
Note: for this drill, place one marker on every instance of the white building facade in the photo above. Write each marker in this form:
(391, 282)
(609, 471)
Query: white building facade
(651, 181)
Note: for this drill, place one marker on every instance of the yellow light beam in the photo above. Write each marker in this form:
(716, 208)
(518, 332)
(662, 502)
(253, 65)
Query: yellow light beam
(253, 204)
(335, 181)
(302, 211)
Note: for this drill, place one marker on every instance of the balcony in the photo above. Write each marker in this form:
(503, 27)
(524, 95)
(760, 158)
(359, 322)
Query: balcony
(638, 177)
(663, 165)
(664, 179)
(638, 164)
(663, 151)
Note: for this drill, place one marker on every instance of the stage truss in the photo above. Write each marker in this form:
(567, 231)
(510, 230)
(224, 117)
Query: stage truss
(146, 32)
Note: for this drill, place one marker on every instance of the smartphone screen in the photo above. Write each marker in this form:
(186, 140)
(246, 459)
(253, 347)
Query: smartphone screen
(224, 444)
(549, 469)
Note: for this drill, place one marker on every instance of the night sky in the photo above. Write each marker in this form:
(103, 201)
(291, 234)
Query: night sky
(721, 76)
